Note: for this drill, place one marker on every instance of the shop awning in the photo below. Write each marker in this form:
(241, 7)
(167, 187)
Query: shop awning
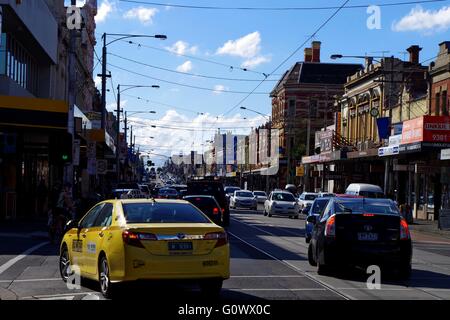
(33, 112)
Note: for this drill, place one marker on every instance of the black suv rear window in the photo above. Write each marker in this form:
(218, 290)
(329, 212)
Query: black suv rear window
(162, 213)
(364, 207)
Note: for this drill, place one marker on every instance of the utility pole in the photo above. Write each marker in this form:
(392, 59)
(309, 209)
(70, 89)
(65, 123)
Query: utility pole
(386, 161)
(68, 172)
(103, 76)
(118, 134)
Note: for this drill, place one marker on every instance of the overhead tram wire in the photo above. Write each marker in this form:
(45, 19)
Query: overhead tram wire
(176, 5)
(228, 66)
(312, 36)
(187, 73)
(185, 85)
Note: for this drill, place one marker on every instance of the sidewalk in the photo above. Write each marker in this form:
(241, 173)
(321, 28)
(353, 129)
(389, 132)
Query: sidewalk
(429, 228)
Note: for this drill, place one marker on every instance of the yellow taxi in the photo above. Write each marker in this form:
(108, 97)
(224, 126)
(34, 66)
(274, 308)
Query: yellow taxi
(146, 239)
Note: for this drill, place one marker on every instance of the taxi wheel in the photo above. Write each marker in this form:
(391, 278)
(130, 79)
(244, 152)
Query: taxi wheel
(106, 286)
(211, 288)
(64, 263)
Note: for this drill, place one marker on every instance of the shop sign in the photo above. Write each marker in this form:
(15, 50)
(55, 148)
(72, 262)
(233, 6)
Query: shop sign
(102, 166)
(434, 129)
(445, 154)
(388, 151)
(333, 176)
(326, 140)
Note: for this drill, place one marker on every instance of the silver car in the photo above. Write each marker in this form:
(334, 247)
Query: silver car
(243, 199)
(261, 196)
(281, 203)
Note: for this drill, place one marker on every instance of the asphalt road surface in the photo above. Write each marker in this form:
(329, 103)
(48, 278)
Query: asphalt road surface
(268, 261)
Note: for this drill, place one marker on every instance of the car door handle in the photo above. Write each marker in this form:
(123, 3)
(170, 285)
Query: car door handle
(101, 234)
(84, 235)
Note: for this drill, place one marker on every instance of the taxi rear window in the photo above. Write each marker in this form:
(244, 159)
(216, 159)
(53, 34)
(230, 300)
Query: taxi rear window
(162, 213)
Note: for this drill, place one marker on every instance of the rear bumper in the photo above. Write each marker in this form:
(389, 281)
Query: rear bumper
(284, 212)
(140, 265)
(348, 254)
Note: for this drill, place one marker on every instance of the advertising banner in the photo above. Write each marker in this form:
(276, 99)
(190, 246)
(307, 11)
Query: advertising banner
(427, 129)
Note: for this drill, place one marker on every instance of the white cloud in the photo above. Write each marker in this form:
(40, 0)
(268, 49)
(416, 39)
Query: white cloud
(182, 47)
(185, 67)
(419, 19)
(219, 88)
(246, 47)
(255, 61)
(97, 81)
(104, 10)
(144, 15)
(172, 141)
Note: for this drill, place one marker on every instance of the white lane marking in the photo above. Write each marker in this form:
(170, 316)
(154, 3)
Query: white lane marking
(11, 262)
(59, 298)
(270, 276)
(31, 280)
(320, 282)
(56, 295)
(279, 289)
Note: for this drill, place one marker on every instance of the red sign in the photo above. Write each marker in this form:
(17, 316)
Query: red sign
(426, 129)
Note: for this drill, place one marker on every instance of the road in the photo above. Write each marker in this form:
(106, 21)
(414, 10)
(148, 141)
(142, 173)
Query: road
(268, 261)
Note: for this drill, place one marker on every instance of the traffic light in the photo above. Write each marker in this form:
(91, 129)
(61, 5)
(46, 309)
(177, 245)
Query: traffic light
(60, 151)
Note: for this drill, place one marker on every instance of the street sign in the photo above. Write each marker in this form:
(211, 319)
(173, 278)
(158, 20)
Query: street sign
(76, 152)
(102, 166)
(300, 171)
(91, 150)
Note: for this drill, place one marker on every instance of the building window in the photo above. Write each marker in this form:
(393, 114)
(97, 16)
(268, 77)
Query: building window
(17, 63)
(444, 103)
(313, 110)
(291, 108)
(437, 102)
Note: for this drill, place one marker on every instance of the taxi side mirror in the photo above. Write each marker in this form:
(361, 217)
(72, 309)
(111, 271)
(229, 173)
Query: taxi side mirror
(71, 224)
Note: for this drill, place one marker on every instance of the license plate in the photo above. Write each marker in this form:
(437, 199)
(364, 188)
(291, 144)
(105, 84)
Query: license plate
(367, 236)
(177, 246)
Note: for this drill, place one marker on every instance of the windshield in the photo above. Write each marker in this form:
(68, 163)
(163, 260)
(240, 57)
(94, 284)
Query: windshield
(231, 190)
(162, 213)
(244, 194)
(283, 197)
(385, 207)
(310, 197)
(258, 193)
(371, 194)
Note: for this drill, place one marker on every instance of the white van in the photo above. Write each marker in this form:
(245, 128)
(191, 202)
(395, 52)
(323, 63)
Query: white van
(365, 190)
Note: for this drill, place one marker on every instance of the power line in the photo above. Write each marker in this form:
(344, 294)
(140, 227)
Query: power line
(160, 103)
(186, 85)
(230, 67)
(187, 73)
(291, 55)
(176, 5)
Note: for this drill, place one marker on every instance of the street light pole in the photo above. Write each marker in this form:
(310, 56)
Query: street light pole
(118, 135)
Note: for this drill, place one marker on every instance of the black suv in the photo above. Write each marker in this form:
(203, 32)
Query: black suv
(210, 187)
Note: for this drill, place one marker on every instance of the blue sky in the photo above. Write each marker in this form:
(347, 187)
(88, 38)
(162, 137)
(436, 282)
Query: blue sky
(267, 37)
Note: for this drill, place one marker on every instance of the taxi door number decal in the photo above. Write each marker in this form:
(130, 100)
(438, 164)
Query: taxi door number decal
(77, 245)
(91, 247)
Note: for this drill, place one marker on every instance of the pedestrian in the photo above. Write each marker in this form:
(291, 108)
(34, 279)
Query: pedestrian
(66, 203)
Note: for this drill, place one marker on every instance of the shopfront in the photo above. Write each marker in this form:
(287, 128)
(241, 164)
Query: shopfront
(30, 131)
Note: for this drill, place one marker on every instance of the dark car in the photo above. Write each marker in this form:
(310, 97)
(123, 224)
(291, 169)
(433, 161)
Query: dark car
(211, 187)
(360, 232)
(208, 205)
(167, 193)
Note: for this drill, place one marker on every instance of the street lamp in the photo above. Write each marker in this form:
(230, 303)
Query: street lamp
(262, 114)
(119, 91)
(103, 75)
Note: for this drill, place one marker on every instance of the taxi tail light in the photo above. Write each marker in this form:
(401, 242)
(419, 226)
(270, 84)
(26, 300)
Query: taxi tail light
(330, 227)
(134, 238)
(404, 230)
(221, 238)
(215, 211)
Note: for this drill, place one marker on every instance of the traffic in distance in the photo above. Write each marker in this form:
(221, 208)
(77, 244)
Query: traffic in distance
(166, 230)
